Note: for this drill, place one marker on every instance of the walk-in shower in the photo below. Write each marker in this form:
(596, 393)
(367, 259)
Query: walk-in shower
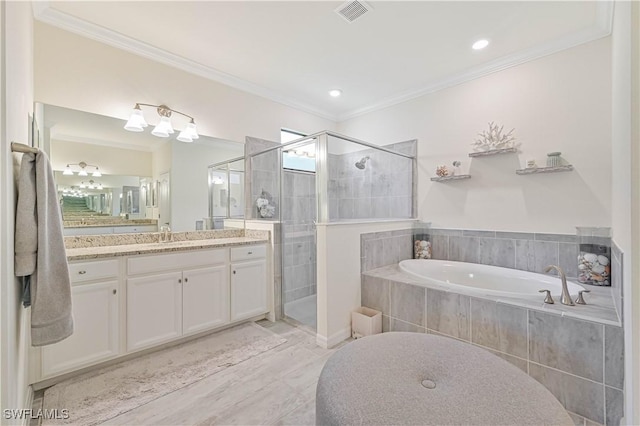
(313, 180)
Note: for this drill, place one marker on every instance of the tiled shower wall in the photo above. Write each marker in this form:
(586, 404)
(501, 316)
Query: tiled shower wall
(265, 176)
(260, 173)
(298, 214)
(383, 189)
(580, 362)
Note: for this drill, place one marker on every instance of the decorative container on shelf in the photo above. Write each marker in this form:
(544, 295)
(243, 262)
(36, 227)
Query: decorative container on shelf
(594, 257)
(553, 159)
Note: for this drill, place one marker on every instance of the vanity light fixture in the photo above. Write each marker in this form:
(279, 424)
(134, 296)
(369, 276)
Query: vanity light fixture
(91, 185)
(480, 44)
(335, 93)
(164, 128)
(83, 169)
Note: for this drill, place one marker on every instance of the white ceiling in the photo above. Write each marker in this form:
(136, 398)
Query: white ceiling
(295, 51)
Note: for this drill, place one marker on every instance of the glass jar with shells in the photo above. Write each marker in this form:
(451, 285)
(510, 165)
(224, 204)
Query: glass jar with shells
(594, 256)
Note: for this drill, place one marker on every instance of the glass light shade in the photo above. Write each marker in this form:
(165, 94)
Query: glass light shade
(184, 136)
(67, 171)
(189, 133)
(82, 172)
(136, 122)
(99, 186)
(97, 173)
(163, 129)
(82, 185)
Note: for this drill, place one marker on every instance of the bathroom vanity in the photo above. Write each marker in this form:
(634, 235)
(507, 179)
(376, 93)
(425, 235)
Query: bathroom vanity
(134, 297)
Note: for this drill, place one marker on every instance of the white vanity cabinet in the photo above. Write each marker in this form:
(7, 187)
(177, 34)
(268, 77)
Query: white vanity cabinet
(95, 303)
(164, 306)
(130, 303)
(205, 299)
(248, 289)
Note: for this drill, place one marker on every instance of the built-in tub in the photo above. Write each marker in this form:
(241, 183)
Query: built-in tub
(485, 279)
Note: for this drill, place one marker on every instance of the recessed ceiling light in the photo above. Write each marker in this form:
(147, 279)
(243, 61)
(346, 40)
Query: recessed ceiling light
(335, 93)
(480, 44)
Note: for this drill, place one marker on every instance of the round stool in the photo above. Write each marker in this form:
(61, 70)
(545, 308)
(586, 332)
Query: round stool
(423, 379)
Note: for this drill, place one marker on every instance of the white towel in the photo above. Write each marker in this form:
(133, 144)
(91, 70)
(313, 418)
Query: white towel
(40, 251)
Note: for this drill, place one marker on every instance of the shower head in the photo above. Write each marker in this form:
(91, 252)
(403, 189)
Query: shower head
(360, 164)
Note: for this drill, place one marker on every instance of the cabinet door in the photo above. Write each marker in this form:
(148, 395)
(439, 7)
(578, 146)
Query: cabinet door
(248, 289)
(95, 335)
(205, 298)
(154, 309)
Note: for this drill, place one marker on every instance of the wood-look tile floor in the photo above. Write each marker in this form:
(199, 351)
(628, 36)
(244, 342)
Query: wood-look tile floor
(277, 387)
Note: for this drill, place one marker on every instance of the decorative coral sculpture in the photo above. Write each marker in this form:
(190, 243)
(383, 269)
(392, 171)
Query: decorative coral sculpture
(494, 138)
(442, 171)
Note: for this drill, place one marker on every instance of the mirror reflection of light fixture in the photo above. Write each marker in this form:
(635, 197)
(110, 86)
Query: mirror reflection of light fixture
(83, 169)
(91, 185)
(164, 128)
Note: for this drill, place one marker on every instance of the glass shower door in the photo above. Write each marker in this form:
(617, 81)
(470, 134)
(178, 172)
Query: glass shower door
(298, 235)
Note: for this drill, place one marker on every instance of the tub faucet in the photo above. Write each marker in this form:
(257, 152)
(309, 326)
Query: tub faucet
(566, 297)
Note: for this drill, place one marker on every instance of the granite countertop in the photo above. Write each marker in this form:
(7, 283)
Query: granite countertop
(85, 253)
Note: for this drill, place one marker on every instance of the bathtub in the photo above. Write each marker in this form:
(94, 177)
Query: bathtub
(484, 279)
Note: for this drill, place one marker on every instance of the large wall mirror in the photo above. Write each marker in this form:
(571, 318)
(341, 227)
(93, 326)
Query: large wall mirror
(110, 180)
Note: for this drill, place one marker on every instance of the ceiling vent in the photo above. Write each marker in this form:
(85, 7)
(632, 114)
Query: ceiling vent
(352, 10)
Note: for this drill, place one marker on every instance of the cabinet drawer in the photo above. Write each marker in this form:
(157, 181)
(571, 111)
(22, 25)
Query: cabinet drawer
(173, 261)
(88, 271)
(248, 252)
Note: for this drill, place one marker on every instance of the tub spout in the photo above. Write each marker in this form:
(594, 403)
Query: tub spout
(566, 297)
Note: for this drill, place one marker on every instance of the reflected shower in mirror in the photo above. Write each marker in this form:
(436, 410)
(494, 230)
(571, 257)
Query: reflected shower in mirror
(142, 181)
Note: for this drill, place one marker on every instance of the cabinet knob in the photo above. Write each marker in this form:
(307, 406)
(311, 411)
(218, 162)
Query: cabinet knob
(115, 291)
(234, 272)
(186, 280)
(250, 252)
(179, 280)
(82, 272)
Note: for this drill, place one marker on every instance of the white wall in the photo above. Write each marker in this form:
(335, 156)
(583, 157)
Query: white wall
(561, 102)
(622, 188)
(338, 274)
(111, 161)
(80, 73)
(189, 181)
(16, 104)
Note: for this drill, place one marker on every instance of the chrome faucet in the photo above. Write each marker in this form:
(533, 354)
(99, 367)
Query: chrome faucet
(566, 297)
(165, 233)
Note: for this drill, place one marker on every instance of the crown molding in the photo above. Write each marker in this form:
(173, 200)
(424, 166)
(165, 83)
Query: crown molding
(111, 144)
(43, 12)
(602, 28)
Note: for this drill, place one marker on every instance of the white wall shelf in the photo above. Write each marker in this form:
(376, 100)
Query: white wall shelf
(536, 170)
(450, 178)
(493, 152)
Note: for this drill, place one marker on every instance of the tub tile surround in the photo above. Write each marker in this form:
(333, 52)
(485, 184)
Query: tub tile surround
(564, 354)
(576, 352)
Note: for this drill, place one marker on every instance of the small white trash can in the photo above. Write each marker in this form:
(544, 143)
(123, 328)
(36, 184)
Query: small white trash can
(365, 322)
